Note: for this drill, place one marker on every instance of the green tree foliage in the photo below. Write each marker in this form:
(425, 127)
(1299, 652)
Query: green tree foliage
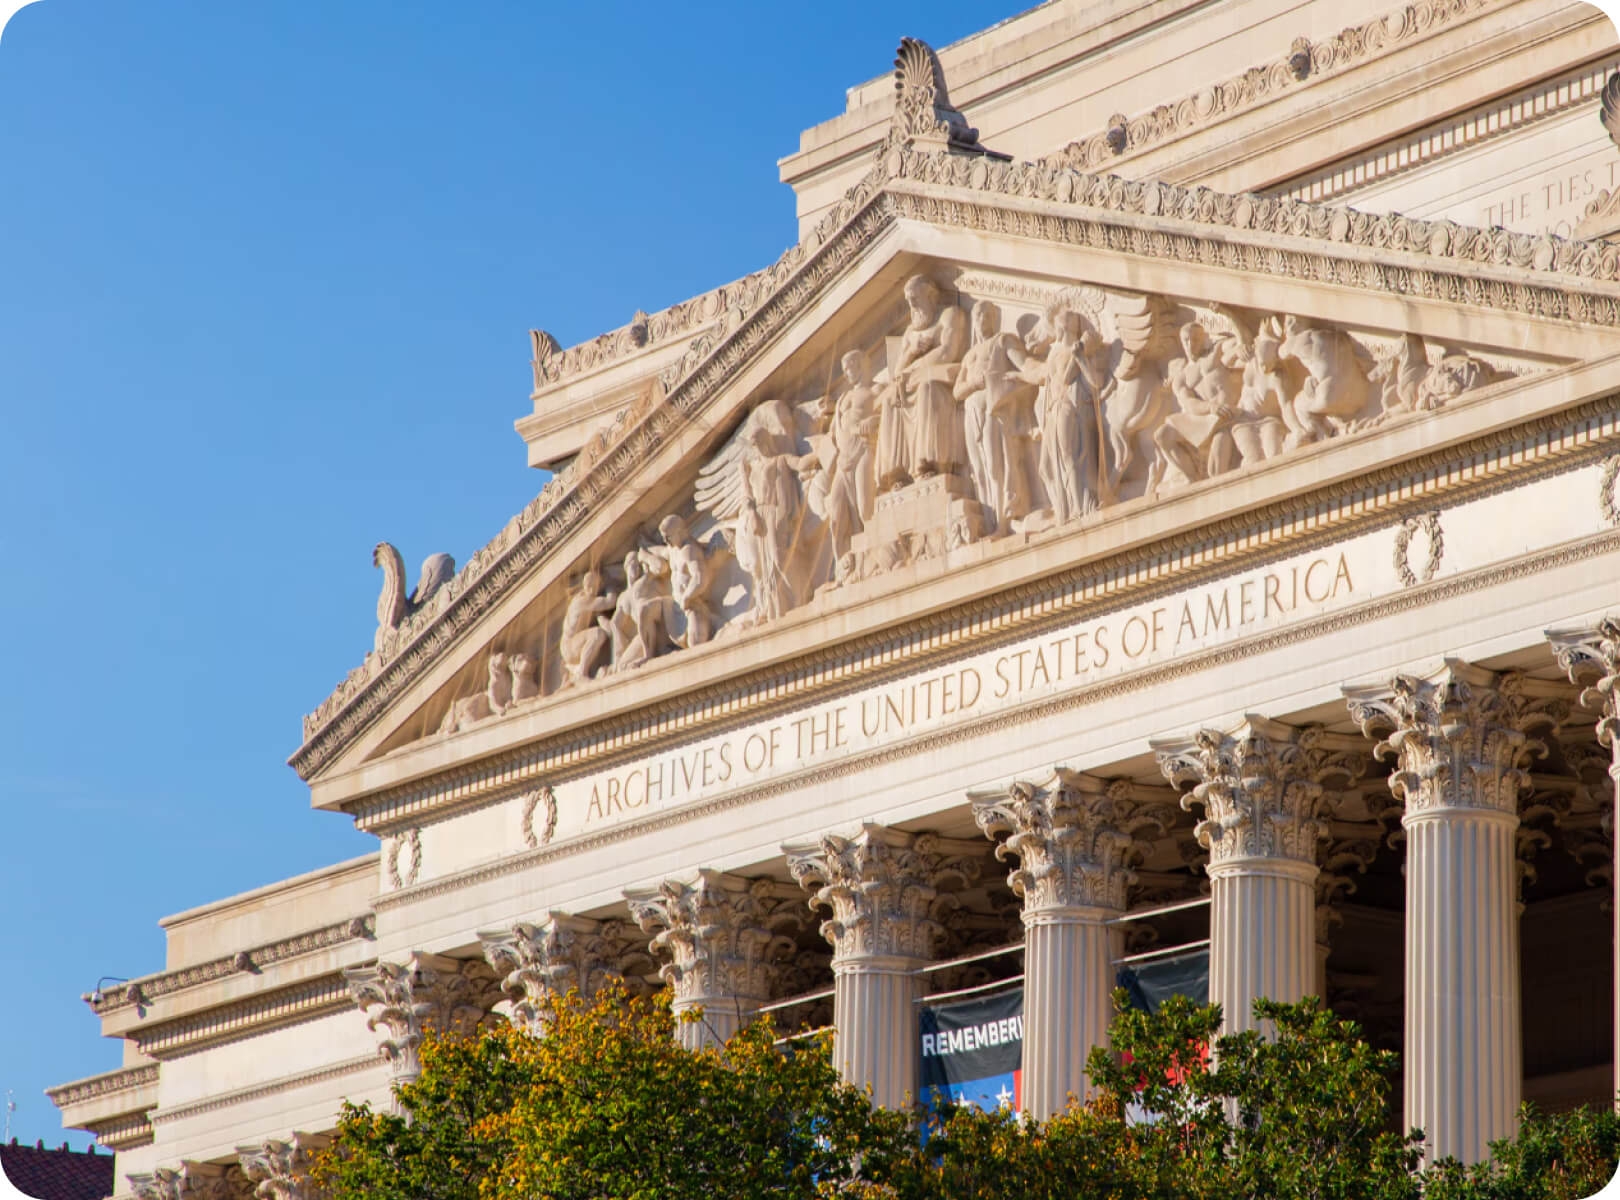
(607, 1105)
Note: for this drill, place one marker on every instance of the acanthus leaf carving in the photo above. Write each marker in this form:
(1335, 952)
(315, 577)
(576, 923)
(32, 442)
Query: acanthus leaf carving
(1264, 788)
(564, 953)
(280, 1170)
(1077, 838)
(886, 890)
(402, 1001)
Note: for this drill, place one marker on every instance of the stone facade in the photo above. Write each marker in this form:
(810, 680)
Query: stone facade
(1109, 480)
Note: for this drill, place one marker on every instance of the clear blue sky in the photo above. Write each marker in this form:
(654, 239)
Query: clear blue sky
(266, 276)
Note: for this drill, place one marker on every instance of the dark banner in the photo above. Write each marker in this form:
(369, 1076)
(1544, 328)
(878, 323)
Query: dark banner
(973, 1051)
(1153, 982)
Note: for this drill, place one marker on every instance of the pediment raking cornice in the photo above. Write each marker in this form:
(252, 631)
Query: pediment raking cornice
(1539, 276)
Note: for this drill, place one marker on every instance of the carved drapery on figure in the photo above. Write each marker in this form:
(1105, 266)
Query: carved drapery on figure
(404, 1000)
(563, 953)
(1076, 838)
(1261, 787)
(279, 1170)
(885, 889)
(954, 429)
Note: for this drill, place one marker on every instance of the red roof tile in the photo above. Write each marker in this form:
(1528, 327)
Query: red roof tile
(57, 1174)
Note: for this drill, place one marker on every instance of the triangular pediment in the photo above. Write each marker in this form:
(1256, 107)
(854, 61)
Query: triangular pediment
(966, 355)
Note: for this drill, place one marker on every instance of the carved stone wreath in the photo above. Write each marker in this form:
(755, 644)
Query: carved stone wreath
(402, 878)
(1429, 524)
(1606, 501)
(532, 801)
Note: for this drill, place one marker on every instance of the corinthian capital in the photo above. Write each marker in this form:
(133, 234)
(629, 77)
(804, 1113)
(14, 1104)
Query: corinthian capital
(404, 1000)
(188, 1181)
(564, 953)
(1591, 658)
(1262, 787)
(280, 1170)
(1460, 735)
(1076, 838)
(725, 935)
(884, 889)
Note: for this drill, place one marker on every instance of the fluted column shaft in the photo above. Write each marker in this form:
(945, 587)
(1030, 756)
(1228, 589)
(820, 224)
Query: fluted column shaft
(875, 1014)
(1068, 979)
(1464, 1058)
(1262, 934)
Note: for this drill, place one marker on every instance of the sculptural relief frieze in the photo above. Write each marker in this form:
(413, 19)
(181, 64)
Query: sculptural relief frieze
(972, 422)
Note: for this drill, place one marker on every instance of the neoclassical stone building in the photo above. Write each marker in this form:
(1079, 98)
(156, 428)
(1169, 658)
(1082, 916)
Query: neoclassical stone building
(1180, 457)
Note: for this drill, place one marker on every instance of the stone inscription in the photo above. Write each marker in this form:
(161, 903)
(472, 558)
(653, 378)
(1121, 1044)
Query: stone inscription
(1551, 203)
(1084, 653)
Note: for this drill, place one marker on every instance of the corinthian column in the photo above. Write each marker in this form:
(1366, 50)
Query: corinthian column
(562, 954)
(1460, 742)
(1076, 838)
(724, 936)
(402, 1001)
(883, 888)
(1591, 658)
(1261, 789)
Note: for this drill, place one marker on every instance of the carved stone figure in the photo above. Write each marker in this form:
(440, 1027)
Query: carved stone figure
(1136, 402)
(920, 431)
(583, 642)
(1455, 373)
(1336, 388)
(1401, 375)
(525, 676)
(1066, 420)
(495, 699)
(997, 421)
(847, 487)
(687, 564)
(394, 606)
(1207, 383)
(639, 624)
(754, 489)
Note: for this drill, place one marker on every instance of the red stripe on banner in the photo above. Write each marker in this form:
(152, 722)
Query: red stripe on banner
(1018, 1089)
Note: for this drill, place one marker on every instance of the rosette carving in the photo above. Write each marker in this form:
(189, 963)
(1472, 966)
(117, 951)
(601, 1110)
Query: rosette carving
(1076, 838)
(1262, 787)
(724, 935)
(886, 889)
(563, 953)
(1461, 736)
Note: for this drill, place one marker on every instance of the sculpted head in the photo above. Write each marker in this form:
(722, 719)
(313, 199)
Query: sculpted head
(674, 531)
(1194, 339)
(986, 320)
(590, 582)
(632, 566)
(922, 296)
(1066, 326)
(856, 368)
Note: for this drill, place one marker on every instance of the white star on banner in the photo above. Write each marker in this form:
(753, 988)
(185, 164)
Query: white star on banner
(1004, 1097)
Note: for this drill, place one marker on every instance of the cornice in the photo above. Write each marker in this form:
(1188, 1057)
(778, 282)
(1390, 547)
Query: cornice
(125, 1134)
(1302, 64)
(1542, 275)
(1327, 514)
(149, 987)
(96, 1086)
(253, 1014)
(272, 1087)
(1454, 135)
